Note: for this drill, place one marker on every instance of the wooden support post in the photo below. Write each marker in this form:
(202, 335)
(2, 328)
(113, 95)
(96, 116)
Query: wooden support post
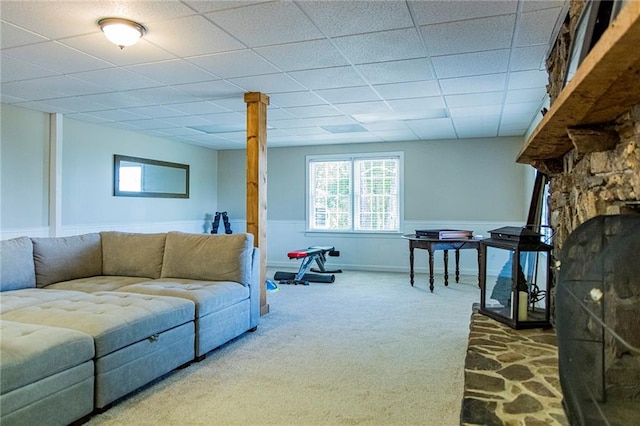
(257, 182)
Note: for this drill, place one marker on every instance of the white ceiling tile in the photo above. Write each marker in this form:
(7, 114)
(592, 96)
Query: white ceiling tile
(486, 131)
(536, 27)
(470, 64)
(430, 12)
(414, 89)
(530, 5)
(474, 99)
(187, 120)
(417, 104)
(382, 126)
(15, 69)
(469, 36)
(116, 115)
(268, 83)
(161, 95)
(211, 89)
(313, 111)
(348, 94)
(116, 79)
(511, 132)
(303, 55)
(97, 45)
(311, 122)
(12, 36)
(295, 99)
(197, 108)
(45, 106)
(354, 17)
(56, 57)
(525, 95)
(328, 78)
(397, 71)
(527, 79)
(267, 23)
(475, 84)
(204, 6)
(203, 37)
(274, 113)
(172, 72)
(381, 46)
(149, 124)
(114, 100)
(234, 103)
(395, 135)
(30, 89)
(375, 107)
(437, 128)
(311, 56)
(156, 111)
(476, 113)
(528, 58)
(239, 63)
(528, 108)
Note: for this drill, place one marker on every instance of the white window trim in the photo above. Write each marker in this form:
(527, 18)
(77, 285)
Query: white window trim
(351, 157)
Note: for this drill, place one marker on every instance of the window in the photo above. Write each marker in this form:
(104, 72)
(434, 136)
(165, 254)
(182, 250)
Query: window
(354, 192)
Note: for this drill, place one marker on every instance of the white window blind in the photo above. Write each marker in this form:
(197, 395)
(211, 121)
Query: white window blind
(355, 193)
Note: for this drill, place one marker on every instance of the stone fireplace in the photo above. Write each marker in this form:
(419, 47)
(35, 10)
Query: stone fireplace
(594, 209)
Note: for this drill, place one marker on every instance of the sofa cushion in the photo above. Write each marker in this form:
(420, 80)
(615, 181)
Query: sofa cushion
(66, 258)
(32, 296)
(113, 319)
(16, 264)
(97, 283)
(33, 352)
(208, 257)
(132, 255)
(208, 296)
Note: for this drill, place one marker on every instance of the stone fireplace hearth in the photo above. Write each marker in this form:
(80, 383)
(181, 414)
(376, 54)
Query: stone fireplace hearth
(511, 376)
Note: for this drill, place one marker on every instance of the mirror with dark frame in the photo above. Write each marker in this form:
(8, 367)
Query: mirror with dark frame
(142, 177)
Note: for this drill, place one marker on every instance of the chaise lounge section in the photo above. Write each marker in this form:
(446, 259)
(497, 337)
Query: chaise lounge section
(148, 303)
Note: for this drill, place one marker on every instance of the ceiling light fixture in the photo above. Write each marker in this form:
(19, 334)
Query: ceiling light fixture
(121, 32)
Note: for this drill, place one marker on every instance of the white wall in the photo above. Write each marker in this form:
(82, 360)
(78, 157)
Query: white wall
(466, 184)
(87, 199)
(24, 175)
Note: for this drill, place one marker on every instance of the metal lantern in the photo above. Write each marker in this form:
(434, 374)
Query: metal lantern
(515, 278)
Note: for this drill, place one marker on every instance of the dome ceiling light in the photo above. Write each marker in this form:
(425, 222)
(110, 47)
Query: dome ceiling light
(121, 32)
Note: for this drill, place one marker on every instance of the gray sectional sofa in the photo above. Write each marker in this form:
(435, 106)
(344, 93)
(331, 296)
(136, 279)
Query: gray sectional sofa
(87, 319)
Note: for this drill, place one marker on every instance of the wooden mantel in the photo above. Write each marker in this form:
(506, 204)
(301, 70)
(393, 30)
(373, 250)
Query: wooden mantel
(605, 85)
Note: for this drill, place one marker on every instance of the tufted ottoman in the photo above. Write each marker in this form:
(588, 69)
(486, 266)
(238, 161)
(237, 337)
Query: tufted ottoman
(222, 307)
(46, 374)
(137, 338)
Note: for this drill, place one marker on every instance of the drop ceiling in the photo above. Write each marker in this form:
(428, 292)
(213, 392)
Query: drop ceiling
(335, 71)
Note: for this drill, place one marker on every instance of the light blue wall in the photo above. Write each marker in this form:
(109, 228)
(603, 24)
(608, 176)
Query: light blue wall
(451, 180)
(86, 195)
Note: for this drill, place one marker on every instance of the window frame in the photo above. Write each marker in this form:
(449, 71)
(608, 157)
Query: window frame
(352, 157)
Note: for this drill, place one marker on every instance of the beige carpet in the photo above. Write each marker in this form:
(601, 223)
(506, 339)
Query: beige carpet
(368, 349)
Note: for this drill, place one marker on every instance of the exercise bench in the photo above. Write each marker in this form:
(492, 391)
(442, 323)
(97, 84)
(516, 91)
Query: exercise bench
(317, 254)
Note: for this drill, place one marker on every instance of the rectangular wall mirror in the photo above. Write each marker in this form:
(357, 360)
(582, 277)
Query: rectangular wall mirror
(142, 177)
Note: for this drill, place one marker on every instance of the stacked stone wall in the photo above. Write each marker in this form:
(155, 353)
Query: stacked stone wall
(596, 183)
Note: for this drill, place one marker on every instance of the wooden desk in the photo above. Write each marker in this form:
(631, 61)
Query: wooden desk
(433, 244)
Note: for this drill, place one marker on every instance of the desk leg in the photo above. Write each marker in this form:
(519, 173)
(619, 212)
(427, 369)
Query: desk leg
(480, 264)
(430, 270)
(457, 265)
(446, 267)
(411, 264)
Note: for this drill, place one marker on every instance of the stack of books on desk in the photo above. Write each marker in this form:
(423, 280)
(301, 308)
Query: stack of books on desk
(443, 234)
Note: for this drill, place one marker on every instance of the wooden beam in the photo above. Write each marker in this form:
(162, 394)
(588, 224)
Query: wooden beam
(257, 182)
(605, 85)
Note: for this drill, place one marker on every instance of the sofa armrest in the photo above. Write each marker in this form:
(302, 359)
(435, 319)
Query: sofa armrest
(254, 288)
